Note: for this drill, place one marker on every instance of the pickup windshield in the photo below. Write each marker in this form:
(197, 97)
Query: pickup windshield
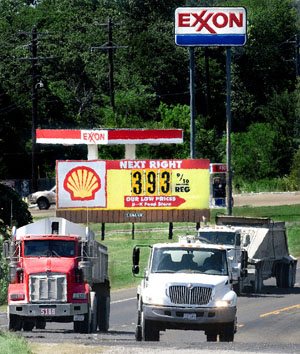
(218, 237)
(49, 248)
(189, 260)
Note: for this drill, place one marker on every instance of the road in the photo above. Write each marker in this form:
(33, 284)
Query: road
(267, 323)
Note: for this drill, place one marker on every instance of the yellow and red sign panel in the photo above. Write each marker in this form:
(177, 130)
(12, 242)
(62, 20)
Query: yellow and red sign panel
(133, 184)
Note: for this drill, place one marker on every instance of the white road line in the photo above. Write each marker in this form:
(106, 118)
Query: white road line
(118, 301)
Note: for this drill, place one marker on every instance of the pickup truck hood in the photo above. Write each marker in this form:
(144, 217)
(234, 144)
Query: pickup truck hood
(43, 264)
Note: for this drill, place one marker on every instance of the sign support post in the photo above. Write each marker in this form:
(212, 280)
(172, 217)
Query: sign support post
(192, 103)
(212, 26)
(228, 131)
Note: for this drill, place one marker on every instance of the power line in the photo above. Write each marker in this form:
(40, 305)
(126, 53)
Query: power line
(110, 46)
(34, 97)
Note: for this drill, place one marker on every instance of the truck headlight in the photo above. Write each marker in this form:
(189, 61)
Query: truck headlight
(17, 297)
(223, 303)
(79, 296)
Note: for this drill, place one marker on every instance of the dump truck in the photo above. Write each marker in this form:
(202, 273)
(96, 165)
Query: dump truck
(186, 286)
(57, 273)
(258, 250)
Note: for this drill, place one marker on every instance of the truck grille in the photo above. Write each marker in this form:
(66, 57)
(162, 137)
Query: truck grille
(50, 287)
(197, 295)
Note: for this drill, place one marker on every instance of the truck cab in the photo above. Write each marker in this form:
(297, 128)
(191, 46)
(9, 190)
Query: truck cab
(58, 273)
(186, 285)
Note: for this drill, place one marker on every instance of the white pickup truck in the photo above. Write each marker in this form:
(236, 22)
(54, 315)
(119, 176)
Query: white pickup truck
(187, 285)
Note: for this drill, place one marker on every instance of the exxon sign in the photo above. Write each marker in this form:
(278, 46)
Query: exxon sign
(210, 26)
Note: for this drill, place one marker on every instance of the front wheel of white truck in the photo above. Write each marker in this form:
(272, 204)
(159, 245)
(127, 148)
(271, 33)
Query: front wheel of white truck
(227, 332)
(149, 331)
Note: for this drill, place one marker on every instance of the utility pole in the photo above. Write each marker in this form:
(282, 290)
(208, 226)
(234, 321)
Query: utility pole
(110, 46)
(34, 99)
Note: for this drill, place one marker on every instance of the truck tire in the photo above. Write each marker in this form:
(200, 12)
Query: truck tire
(285, 275)
(211, 336)
(43, 203)
(138, 328)
(40, 323)
(290, 270)
(85, 324)
(94, 312)
(237, 287)
(227, 332)
(279, 275)
(15, 323)
(103, 313)
(149, 331)
(28, 325)
(258, 281)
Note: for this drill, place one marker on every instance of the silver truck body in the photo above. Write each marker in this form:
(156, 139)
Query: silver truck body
(260, 253)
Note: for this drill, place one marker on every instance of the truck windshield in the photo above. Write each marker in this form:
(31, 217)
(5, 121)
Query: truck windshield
(218, 237)
(49, 248)
(189, 260)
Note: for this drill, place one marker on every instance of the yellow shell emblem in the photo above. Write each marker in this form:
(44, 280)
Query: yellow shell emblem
(82, 183)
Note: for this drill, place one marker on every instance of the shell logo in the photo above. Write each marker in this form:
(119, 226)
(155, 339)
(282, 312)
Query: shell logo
(82, 183)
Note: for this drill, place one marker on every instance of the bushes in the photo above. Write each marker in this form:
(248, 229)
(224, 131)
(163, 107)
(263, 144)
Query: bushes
(13, 211)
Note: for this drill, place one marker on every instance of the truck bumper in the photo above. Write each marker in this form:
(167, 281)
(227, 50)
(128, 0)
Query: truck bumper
(48, 310)
(188, 318)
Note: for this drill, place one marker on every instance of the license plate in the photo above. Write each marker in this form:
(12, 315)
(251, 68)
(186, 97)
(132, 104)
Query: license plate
(78, 318)
(189, 316)
(48, 311)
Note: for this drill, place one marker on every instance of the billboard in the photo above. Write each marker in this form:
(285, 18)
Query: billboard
(133, 188)
(210, 26)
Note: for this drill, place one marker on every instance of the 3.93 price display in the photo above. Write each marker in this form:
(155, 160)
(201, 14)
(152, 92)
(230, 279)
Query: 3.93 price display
(151, 182)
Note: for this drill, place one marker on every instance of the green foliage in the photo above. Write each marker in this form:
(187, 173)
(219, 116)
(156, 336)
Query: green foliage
(295, 172)
(11, 344)
(151, 82)
(13, 210)
(253, 153)
(4, 282)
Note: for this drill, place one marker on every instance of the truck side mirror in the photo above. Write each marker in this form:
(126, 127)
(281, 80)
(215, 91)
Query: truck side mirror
(136, 257)
(135, 269)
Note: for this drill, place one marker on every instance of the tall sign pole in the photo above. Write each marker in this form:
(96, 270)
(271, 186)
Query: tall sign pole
(228, 131)
(212, 26)
(192, 103)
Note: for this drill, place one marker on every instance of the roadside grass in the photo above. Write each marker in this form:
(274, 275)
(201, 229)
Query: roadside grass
(12, 344)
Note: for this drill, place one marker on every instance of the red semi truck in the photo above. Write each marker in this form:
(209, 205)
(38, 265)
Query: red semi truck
(58, 273)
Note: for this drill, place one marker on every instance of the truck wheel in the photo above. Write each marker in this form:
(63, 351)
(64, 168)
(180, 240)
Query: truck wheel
(15, 323)
(77, 326)
(279, 275)
(138, 329)
(85, 324)
(237, 287)
(227, 332)
(94, 312)
(149, 332)
(258, 282)
(290, 276)
(40, 324)
(103, 313)
(285, 275)
(28, 325)
(43, 203)
(211, 336)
